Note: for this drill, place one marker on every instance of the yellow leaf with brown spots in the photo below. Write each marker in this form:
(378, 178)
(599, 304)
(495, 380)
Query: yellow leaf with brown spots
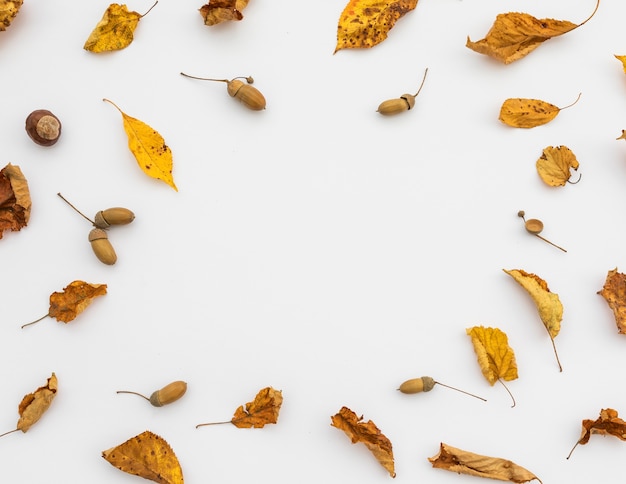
(528, 113)
(8, 10)
(614, 293)
(554, 165)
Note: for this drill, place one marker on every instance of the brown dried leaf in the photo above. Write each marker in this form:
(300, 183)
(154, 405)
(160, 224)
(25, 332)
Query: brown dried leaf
(15, 202)
(218, 11)
(66, 305)
(149, 456)
(33, 405)
(514, 35)
(263, 410)
(614, 292)
(554, 165)
(368, 434)
(366, 23)
(8, 11)
(607, 424)
(463, 462)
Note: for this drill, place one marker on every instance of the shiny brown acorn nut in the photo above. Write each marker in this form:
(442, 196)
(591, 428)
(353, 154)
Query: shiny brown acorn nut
(168, 394)
(113, 216)
(401, 104)
(102, 247)
(248, 95)
(417, 385)
(43, 127)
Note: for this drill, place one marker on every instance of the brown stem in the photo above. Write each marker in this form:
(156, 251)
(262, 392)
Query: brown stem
(570, 452)
(33, 322)
(570, 105)
(9, 432)
(133, 393)
(462, 391)
(580, 175)
(556, 354)
(213, 423)
(203, 78)
(509, 392)
(81, 213)
(154, 5)
(592, 14)
(551, 243)
(422, 84)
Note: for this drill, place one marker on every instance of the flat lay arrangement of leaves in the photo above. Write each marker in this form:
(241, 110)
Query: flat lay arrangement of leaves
(314, 251)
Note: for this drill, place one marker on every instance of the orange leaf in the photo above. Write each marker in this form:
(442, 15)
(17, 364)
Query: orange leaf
(218, 11)
(529, 113)
(368, 434)
(365, 23)
(614, 292)
(33, 405)
(554, 165)
(66, 305)
(15, 202)
(8, 11)
(149, 456)
(622, 59)
(607, 424)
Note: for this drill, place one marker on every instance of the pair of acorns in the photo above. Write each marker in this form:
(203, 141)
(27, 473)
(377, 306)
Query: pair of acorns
(98, 238)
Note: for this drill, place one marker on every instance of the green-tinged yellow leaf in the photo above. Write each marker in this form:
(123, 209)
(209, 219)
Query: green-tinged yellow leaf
(495, 357)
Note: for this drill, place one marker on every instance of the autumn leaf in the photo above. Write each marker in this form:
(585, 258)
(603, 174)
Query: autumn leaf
(148, 146)
(623, 136)
(608, 423)
(529, 113)
(15, 202)
(622, 59)
(8, 11)
(368, 434)
(34, 405)
(514, 35)
(614, 292)
(218, 11)
(464, 462)
(554, 165)
(116, 29)
(365, 23)
(263, 410)
(548, 304)
(66, 305)
(149, 456)
(495, 357)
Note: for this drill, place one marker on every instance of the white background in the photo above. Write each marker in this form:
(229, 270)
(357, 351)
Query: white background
(316, 247)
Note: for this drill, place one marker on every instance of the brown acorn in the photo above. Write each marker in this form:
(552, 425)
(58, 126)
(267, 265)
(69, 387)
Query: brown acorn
(43, 127)
(168, 394)
(102, 247)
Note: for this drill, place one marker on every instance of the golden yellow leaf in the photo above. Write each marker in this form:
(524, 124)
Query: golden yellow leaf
(528, 113)
(622, 59)
(148, 146)
(548, 304)
(218, 11)
(368, 434)
(365, 23)
(149, 456)
(115, 31)
(614, 293)
(514, 35)
(464, 462)
(554, 165)
(8, 11)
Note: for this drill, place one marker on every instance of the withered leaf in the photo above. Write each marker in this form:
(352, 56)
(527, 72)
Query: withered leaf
(514, 35)
(116, 29)
(368, 434)
(608, 423)
(366, 23)
(529, 113)
(614, 292)
(8, 11)
(218, 11)
(464, 462)
(148, 146)
(15, 202)
(548, 304)
(149, 456)
(554, 165)
(622, 59)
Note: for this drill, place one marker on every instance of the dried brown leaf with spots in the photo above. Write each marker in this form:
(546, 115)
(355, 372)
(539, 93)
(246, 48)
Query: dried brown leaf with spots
(614, 293)
(218, 11)
(464, 462)
(554, 165)
(514, 35)
(368, 434)
(8, 10)
(608, 423)
(529, 113)
(15, 202)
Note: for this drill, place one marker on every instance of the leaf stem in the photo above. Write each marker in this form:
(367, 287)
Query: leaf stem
(592, 14)
(556, 354)
(33, 322)
(9, 432)
(570, 105)
(154, 5)
(81, 213)
(462, 391)
(570, 452)
(213, 423)
(509, 392)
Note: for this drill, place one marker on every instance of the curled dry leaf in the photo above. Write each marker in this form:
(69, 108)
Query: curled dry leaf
(149, 456)
(548, 304)
(514, 35)
(218, 11)
(623, 136)
(368, 434)
(554, 165)
(15, 202)
(608, 423)
(148, 146)
(115, 31)
(263, 410)
(614, 292)
(8, 11)
(365, 23)
(529, 113)
(464, 462)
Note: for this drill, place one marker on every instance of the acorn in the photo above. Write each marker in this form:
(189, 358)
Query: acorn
(168, 394)
(43, 127)
(102, 247)
(113, 216)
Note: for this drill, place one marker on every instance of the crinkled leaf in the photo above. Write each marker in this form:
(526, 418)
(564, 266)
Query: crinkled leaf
(495, 357)
(8, 11)
(115, 31)
(66, 305)
(261, 411)
(33, 405)
(608, 423)
(149, 456)
(148, 146)
(368, 434)
(15, 202)
(366, 23)
(554, 165)
(614, 292)
(218, 11)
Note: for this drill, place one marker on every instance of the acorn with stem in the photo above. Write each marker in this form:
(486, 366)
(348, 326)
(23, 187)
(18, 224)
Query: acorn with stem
(248, 95)
(166, 395)
(426, 384)
(535, 226)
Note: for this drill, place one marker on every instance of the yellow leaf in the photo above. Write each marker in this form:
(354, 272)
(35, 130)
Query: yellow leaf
(148, 146)
(528, 113)
(554, 165)
(365, 23)
(548, 304)
(8, 11)
(495, 357)
(514, 35)
(622, 59)
(149, 456)
(115, 30)
(614, 293)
